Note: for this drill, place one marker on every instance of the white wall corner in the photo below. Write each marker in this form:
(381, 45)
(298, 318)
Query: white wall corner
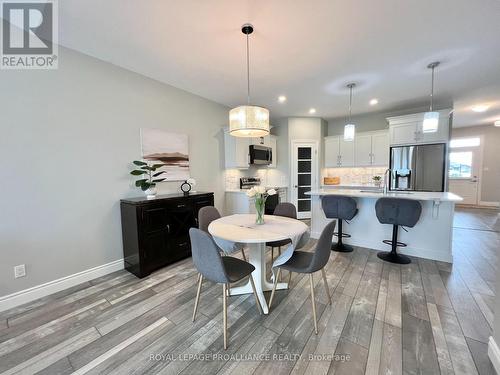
(494, 354)
(54, 286)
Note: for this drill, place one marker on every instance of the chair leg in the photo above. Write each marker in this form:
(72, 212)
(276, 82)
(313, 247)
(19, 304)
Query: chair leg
(224, 313)
(197, 300)
(274, 288)
(259, 307)
(279, 253)
(311, 282)
(243, 253)
(289, 278)
(272, 255)
(327, 290)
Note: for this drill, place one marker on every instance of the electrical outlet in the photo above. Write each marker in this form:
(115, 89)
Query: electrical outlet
(19, 271)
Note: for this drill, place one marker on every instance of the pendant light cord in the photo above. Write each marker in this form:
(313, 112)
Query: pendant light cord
(248, 71)
(432, 88)
(350, 101)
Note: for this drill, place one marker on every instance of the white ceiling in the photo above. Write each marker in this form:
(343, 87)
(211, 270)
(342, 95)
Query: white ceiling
(306, 50)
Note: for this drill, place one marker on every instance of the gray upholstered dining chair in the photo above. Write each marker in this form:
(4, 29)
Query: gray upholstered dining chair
(218, 269)
(284, 209)
(208, 214)
(310, 262)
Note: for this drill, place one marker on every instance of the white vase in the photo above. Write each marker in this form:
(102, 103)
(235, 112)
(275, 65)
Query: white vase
(151, 192)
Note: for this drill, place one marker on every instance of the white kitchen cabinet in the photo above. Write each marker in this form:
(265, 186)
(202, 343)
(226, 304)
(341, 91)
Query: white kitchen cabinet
(403, 133)
(346, 155)
(332, 152)
(380, 149)
(368, 149)
(236, 151)
(408, 129)
(442, 134)
(363, 150)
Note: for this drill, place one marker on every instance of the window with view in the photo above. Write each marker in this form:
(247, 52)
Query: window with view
(465, 142)
(460, 164)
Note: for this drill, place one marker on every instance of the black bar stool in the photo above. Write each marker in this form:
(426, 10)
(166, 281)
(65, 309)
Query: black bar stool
(340, 208)
(398, 212)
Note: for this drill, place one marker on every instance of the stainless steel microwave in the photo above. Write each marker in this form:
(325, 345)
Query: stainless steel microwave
(260, 155)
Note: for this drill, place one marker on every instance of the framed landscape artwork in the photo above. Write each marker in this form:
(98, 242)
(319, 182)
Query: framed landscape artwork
(169, 148)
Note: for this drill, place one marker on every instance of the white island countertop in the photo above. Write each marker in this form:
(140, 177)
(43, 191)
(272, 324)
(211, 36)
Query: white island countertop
(414, 195)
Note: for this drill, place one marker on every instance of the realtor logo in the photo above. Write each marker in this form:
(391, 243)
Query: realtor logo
(29, 34)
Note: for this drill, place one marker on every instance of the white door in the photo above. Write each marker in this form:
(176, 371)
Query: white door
(363, 150)
(304, 169)
(465, 164)
(346, 153)
(332, 151)
(380, 149)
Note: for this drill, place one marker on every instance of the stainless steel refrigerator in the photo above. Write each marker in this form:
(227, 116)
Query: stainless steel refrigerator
(418, 168)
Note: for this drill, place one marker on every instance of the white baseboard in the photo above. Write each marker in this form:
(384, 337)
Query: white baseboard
(489, 204)
(494, 354)
(42, 290)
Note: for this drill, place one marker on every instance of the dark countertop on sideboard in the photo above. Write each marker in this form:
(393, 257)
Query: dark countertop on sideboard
(142, 200)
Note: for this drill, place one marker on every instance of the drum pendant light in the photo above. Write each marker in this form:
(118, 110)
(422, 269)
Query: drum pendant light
(431, 118)
(248, 120)
(350, 128)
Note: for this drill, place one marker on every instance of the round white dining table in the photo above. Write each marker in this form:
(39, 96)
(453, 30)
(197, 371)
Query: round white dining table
(243, 229)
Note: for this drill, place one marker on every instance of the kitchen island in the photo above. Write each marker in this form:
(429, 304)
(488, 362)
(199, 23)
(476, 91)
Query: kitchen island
(430, 238)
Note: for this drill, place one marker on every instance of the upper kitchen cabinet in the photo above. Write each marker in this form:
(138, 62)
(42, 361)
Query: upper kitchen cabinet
(368, 149)
(332, 152)
(338, 153)
(380, 148)
(363, 150)
(236, 151)
(346, 155)
(408, 129)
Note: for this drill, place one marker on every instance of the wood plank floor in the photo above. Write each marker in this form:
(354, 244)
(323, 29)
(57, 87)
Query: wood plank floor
(424, 318)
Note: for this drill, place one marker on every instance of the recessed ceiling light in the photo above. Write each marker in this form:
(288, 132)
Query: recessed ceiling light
(374, 101)
(497, 123)
(312, 111)
(282, 98)
(480, 108)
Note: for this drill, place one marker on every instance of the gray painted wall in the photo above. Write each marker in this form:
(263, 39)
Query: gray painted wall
(369, 122)
(364, 123)
(68, 137)
(490, 189)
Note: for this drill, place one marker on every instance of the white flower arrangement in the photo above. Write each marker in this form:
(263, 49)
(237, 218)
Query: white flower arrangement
(260, 194)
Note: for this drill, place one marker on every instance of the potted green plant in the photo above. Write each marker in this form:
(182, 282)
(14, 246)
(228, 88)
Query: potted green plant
(150, 177)
(377, 180)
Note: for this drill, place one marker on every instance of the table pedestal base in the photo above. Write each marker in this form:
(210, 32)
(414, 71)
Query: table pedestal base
(257, 257)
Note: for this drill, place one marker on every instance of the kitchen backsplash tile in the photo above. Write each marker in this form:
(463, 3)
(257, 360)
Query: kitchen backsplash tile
(355, 176)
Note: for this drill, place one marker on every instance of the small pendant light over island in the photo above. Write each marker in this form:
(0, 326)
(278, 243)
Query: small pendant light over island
(431, 118)
(350, 128)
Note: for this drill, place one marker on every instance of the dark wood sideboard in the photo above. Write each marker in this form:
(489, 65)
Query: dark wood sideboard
(156, 231)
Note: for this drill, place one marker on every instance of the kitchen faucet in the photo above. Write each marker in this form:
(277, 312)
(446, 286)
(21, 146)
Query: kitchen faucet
(386, 182)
